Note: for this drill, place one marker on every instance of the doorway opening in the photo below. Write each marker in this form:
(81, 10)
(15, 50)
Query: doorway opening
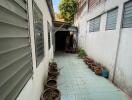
(60, 40)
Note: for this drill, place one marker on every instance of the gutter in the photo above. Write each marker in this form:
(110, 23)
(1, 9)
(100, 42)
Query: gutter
(50, 6)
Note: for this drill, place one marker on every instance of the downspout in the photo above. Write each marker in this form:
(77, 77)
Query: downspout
(86, 23)
(118, 45)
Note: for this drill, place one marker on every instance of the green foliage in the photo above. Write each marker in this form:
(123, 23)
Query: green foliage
(68, 9)
(81, 53)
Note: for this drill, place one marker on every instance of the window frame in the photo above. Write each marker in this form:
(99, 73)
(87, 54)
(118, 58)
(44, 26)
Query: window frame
(38, 58)
(49, 34)
(94, 24)
(107, 18)
(123, 14)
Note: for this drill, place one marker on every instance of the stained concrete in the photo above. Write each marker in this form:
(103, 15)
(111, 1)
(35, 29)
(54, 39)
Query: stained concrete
(77, 82)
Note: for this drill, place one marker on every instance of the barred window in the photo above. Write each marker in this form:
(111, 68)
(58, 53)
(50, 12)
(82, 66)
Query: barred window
(112, 19)
(94, 24)
(127, 15)
(49, 34)
(38, 31)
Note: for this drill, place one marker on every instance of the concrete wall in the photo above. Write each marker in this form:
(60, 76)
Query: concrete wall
(123, 74)
(103, 45)
(34, 87)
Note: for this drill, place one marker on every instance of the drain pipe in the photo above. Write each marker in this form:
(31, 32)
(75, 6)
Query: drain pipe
(118, 45)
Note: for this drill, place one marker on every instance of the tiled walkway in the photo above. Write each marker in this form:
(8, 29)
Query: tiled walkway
(77, 82)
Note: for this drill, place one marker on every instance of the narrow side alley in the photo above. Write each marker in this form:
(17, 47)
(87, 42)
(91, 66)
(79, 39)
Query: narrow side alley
(77, 82)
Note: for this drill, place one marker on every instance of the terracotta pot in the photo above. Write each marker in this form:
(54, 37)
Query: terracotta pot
(93, 66)
(52, 63)
(50, 77)
(98, 70)
(52, 67)
(51, 84)
(53, 72)
(90, 64)
(51, 94)
(86, 59)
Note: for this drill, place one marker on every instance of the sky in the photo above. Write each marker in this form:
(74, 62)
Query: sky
(55, 5)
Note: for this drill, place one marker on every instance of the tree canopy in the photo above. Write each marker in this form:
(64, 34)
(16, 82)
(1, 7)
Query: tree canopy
(68, 9)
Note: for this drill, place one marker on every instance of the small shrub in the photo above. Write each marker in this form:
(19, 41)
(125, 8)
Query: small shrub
(81, 53)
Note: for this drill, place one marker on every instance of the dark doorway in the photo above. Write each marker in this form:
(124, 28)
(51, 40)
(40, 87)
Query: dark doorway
(60, 40)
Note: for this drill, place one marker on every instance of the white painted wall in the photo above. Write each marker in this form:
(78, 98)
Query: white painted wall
(123, 76)
(102, 45)
(34, 87)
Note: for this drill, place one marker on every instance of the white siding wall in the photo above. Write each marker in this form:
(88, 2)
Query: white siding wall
(102, 45)
(33, 89)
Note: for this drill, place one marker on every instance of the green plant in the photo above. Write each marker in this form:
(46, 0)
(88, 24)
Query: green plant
(81, 53)
(68, 9)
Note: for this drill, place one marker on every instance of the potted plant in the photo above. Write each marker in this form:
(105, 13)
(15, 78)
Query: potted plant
(105, 73)
(98, 70)
(51, 94)
(81, 53)
(51, 84)
(90, 63)
(52, 77)
(53, 72)
(93, 66)
(53, 65)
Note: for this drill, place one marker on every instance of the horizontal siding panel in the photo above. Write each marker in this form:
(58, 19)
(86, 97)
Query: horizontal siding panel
(10, 31)
(14, 93)
(7, 17)
(7, 88)
(13, 68)
(21, 3)
(11, 57)
(7, 45)
(13, 7)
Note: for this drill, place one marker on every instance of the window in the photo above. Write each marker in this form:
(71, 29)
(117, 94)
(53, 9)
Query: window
(15, 52)
(112, 19)
(94, 24)
(38, 31)
(49, 36)
(127, 15)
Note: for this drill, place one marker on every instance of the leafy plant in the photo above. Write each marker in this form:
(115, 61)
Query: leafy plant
(81, 53)
(68, 9)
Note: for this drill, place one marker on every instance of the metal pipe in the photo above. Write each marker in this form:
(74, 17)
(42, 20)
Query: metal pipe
(118, 45)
